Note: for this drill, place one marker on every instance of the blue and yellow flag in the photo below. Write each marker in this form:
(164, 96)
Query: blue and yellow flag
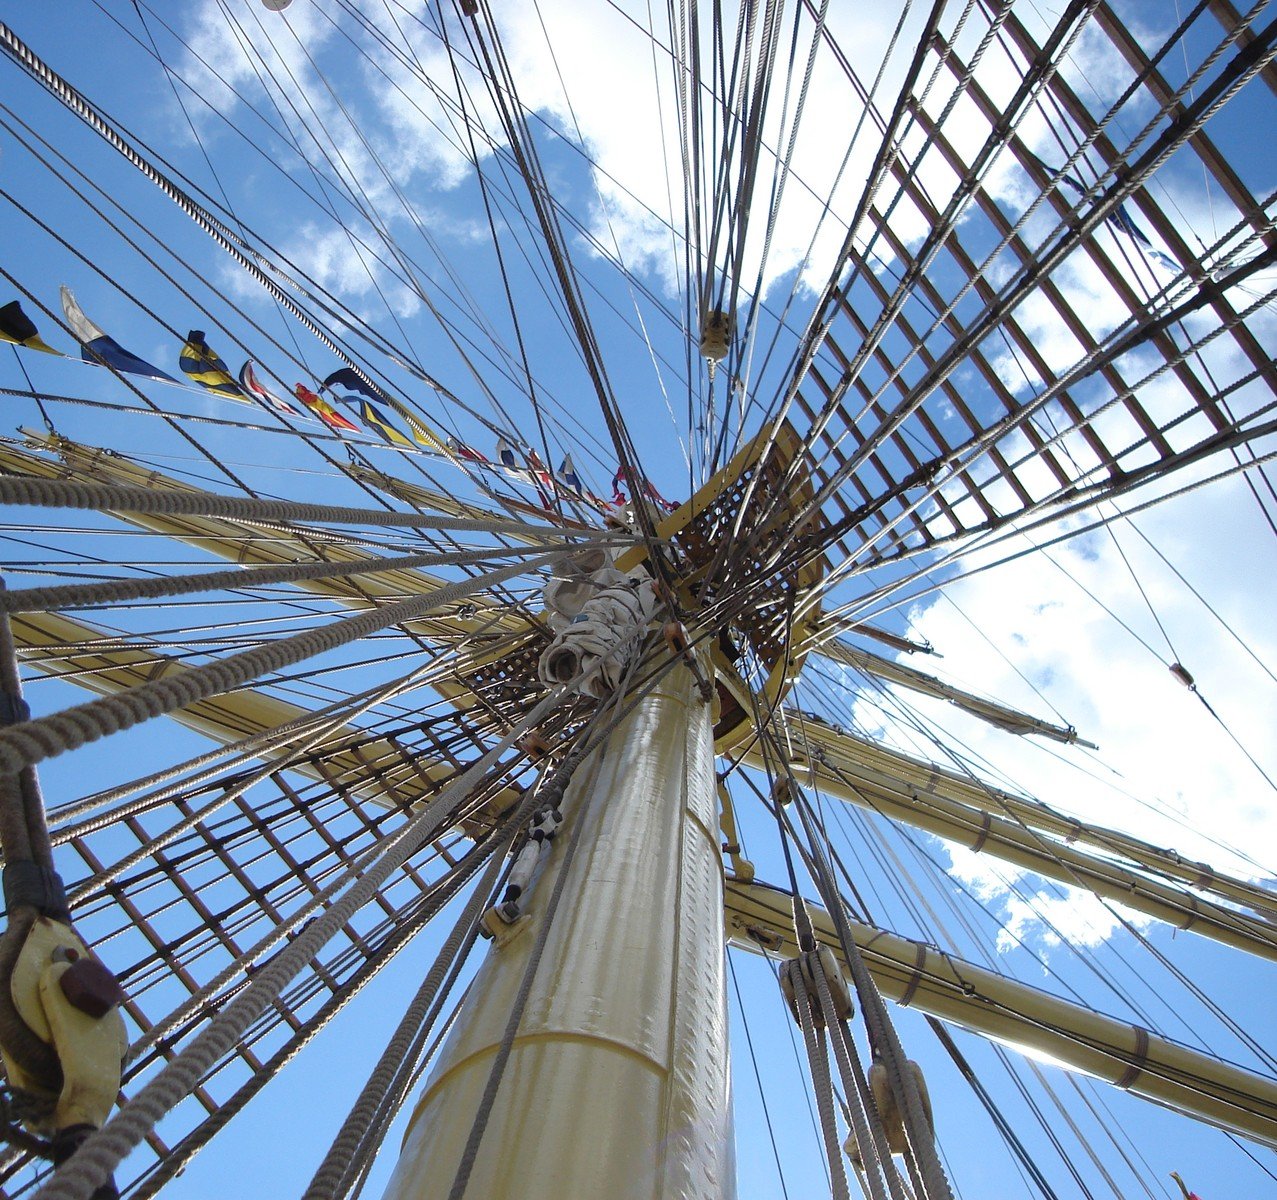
(17, 327)
(374, 418)
(349, 378)
(422, 434)
(199, 363)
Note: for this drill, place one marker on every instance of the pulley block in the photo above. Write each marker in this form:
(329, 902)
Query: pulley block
(800, 972)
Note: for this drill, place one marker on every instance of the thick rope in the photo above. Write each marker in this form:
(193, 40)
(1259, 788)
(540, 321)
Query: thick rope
(24, 837)
(175, 1161)
(111, 497)
(882, 1032)
(409, 1074)
(330, 1177)
(103, 1151)
(822, 1084)
(205, 767)
(114, 591)
(186, 777)
(313, 736)
(866, 1123)
(33, 741)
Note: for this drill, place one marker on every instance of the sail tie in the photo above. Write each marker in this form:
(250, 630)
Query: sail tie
(504, 917)
(600, 618)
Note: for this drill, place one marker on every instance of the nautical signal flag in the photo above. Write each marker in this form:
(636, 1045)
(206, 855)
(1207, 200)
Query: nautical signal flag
(376, 419)
(17, 327)
(567, 476)
(258, 391)
(1121, 220)
(421, 433)
(539, 475)
(624, 478)
(98, 347)
(199, 363)
(462, 451)
(323, 410)
(505, 456)
(349, 378)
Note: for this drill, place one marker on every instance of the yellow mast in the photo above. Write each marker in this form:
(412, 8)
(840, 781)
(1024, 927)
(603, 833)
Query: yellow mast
(940, 984)
(617, 1077)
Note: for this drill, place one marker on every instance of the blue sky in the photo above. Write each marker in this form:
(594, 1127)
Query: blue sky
(1045, 640)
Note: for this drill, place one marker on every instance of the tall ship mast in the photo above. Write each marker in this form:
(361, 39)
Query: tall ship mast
(638, 602)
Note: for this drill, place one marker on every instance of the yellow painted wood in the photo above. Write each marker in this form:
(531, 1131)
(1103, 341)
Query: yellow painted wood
(489, 631)
(617, 1085)
(245, 543)
(781, 440)
(1024, 1017)
(1001, 715)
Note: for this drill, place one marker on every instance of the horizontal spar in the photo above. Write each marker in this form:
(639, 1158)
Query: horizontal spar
(113, 591)
(35, 740)
(245, 543)
(1000, 715)
(377, 769)
(760, 918)
(1031, 836)
(858, 757)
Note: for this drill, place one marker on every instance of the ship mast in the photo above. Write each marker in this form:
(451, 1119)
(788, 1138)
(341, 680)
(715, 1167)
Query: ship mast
(590, 1056)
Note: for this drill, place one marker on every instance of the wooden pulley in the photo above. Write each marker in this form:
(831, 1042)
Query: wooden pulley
(885, 1099)
(534, 745)
(716, 335)
(676, 638)
(801, 972)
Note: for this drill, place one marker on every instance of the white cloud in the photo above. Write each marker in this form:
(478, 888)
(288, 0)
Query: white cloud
(596, 81)
(302, 81)
(344, 266)
(1035, 916)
